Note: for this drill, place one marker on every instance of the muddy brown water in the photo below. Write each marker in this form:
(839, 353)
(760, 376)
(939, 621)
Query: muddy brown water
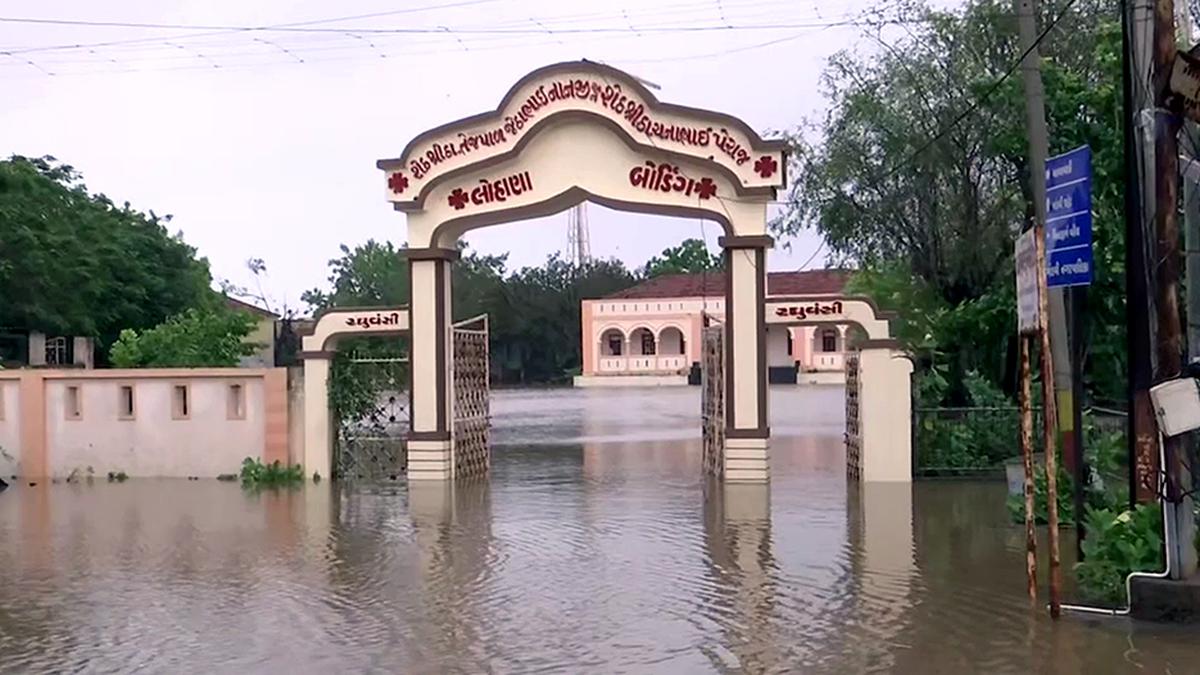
(594, 547)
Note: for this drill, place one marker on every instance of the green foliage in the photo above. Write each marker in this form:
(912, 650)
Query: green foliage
(1065, 492)
(117, 477)
(964, 438)
(1118, 543)
(933, 231)
(255, 473)
(534, 312)
(689, 257)
(195, 338)
(372, 274)
(74, 263)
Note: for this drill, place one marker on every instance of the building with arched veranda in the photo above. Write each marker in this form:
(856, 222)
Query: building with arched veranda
(650, 334)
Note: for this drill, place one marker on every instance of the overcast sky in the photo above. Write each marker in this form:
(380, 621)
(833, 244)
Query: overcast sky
(263, 143)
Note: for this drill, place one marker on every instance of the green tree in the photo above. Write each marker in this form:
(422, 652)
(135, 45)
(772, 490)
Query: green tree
(74, 263)
(195, 338)
(691, 256)
(372, 274)
(929, 208)
(536, 320)
(534, 313)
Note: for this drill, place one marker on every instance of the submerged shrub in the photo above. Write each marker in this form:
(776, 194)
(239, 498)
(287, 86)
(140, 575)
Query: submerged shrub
(254, 472)
(1116, 545)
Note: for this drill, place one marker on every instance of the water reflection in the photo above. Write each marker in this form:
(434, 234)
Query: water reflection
(607, 554)
(744, 581)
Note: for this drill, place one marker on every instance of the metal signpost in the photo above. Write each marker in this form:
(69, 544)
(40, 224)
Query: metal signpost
(1027, 288)
(1069, 263)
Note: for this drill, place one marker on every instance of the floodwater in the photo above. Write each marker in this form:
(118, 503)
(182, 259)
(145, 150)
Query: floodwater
(594, 547)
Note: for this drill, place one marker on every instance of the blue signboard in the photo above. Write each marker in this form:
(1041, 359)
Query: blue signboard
(1069, 218)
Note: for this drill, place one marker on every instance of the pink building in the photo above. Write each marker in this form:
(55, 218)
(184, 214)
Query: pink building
(650, 334)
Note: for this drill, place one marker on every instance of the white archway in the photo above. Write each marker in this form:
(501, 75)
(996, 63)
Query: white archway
(317, 348)
(879, 406)
(584, 131)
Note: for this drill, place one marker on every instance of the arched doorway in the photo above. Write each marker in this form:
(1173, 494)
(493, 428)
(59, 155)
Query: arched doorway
(672, 349)
(584, 131)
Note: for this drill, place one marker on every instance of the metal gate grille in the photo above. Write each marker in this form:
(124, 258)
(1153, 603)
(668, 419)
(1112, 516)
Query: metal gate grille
(853, 420)
(712, 399)
(370, 440)
(472, 407)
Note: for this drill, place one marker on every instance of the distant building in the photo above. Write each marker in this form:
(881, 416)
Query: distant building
(651, 333)
(21, 348)
(263, 335)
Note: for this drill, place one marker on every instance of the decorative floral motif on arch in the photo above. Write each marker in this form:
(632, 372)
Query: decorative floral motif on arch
(398, 182)
(458, 199)
(766, 166)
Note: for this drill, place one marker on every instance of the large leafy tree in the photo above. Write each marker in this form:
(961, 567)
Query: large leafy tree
(690, 257)
(75, 263)
(534, 312)
(918, 176)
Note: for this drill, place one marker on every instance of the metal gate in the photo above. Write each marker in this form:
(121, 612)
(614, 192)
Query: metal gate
(371, 390)
(472, 406)
(712, 399)
(853, 419)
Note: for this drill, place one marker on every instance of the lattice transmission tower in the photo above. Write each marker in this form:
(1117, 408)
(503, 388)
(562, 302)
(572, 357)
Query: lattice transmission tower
(579, 248)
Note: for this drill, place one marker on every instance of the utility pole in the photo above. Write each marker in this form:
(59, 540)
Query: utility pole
(1035, 110)
(1137, 36)
(1169, 338)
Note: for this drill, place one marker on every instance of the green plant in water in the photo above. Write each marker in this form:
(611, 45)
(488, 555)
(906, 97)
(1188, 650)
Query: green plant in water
(1117, 544)
(1066, 499)
(117, 477)
(254, 472)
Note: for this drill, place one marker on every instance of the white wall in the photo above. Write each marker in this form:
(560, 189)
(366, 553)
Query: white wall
(777, 354)
(10, 427)
(205, 445)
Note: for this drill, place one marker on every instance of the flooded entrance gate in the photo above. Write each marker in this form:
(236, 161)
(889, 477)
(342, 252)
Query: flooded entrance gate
(370, 399)
(472, 405)
(565, 134)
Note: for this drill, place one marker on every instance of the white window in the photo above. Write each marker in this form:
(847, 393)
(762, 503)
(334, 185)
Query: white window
(829, 341)
(57, 351)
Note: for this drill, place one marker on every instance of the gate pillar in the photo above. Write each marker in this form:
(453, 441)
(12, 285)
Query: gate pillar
(430, 451)
(318, 438)
(885, 412)
(746, 430)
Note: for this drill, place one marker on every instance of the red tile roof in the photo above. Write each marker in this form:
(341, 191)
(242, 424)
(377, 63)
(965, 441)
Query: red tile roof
(811, 282)
(234, 303)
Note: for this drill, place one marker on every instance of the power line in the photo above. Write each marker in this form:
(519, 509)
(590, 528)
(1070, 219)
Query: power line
(425, 30)
(214, 31)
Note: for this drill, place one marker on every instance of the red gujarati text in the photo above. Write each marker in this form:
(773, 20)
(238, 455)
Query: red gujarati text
(389, 319)
(609, 97)
(489, 191)
(666, 177)
(803, 312)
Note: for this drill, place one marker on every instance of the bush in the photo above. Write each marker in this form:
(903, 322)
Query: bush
(196, 338)
(1066, 499)
(254, 472)
(964, 438)
(1117, 544)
